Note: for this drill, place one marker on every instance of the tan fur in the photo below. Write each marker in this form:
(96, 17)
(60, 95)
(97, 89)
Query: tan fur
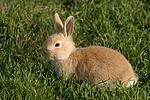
(58, 23)
(94, 63)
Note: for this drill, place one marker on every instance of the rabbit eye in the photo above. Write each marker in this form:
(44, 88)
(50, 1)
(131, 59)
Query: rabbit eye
(57, 44)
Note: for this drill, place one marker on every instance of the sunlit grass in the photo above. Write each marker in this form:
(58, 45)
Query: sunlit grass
(25, 25)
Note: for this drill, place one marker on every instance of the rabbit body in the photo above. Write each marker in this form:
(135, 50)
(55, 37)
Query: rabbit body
(98, 64)
(94, 63)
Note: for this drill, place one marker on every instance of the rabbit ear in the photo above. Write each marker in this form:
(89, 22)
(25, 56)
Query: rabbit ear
(68, 26)
(58, 23)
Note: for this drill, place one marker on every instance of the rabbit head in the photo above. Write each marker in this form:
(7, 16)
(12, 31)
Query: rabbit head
(60, 45)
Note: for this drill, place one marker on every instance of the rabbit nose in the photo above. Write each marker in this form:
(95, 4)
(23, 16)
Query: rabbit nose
(48, 53)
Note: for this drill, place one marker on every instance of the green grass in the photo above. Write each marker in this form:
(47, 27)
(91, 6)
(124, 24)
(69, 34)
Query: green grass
(25, 25)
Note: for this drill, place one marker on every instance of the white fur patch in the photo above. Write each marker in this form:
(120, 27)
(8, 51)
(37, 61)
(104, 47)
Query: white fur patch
(132, 81)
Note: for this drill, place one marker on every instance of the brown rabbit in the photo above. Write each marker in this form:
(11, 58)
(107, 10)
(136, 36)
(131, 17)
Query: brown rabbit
(94, 63)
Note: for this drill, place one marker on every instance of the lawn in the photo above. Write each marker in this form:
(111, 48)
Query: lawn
(26, 24)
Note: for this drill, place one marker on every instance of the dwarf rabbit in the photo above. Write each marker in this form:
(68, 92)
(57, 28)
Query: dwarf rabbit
(94, 63)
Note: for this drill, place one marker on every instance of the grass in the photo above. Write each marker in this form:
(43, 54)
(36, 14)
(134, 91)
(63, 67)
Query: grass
(25, 25)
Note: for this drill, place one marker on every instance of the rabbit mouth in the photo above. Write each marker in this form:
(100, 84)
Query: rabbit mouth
(48, 53)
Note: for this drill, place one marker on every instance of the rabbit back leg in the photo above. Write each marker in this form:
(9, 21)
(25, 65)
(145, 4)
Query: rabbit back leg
(105, 84)
(132, 81)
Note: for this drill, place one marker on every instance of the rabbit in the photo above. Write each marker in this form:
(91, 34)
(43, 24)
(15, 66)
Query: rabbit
(101, 66)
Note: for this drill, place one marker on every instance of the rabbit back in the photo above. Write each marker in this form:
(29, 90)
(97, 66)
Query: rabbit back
(98, 63)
